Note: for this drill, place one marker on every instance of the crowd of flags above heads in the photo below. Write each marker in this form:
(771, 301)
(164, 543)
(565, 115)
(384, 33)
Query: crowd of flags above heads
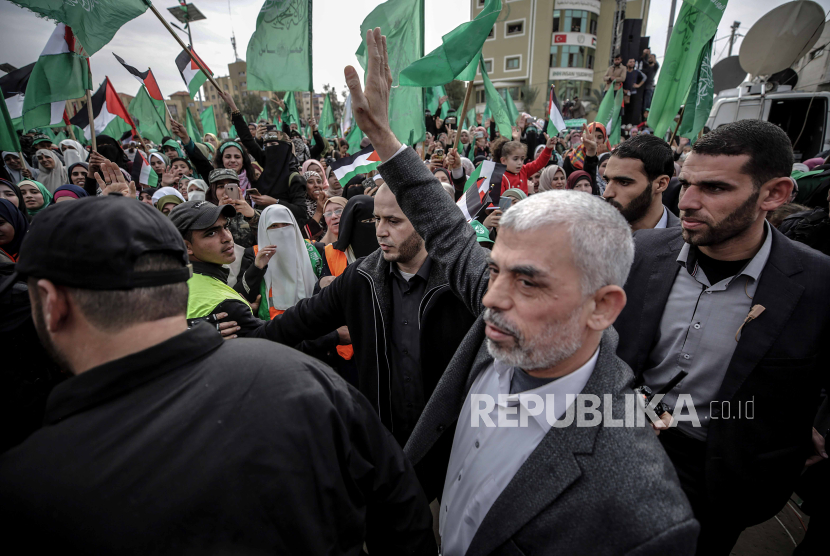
(280, 59)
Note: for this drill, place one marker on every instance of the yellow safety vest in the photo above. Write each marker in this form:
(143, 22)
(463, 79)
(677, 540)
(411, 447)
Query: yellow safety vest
(206, 293)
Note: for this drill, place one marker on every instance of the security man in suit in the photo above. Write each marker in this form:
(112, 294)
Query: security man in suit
(745, 312)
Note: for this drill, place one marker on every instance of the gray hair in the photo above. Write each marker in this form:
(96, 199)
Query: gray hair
(601, 241)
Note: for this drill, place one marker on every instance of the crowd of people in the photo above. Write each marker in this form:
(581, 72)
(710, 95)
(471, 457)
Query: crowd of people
(234, 352)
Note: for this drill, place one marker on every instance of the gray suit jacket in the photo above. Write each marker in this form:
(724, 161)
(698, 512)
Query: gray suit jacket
(672, 221)
(591, 490)
(779, 364)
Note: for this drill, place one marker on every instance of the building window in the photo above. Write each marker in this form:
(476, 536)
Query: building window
(480, 98)
(235, 88)
(512, 63)
(241, 74)
(590, 63)
(244, 83)
(593, 25)
(514, 28)
(556, 17)
(492, 34)
(576, 22)
(488, 66)
(191, 104)
(481, 3)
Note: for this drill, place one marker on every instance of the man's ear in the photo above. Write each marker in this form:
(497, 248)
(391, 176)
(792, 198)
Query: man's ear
(608, 304)
(54, 304)
(189, 247)
(778, 193)
(661, 184)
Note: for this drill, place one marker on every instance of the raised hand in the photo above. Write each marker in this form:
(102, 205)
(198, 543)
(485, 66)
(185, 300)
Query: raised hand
(371, 107)
(168, 178)
(589, 142)
(179, 131)
(111, 180)
(228, 100)
(264, 255)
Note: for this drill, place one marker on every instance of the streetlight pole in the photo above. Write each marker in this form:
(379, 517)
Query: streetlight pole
(186, 14)
(671, 21)
(734, 29)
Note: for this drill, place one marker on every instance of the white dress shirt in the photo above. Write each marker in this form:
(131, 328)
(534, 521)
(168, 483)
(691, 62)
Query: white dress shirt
(485, 459)
(664, 220)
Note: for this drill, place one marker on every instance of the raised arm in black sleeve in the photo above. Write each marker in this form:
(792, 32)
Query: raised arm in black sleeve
(247, 139)
(200, 163)
(319, 147)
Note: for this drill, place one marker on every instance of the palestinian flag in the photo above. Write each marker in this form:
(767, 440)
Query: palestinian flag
(143, 175)
(111, 118)
(556, 122)
(13, 85)
(145, 77)
(61, 73)
(193, 77)
(361, 162)
(483, 189)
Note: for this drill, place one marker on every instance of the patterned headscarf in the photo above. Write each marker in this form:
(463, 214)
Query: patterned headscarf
(577, 155)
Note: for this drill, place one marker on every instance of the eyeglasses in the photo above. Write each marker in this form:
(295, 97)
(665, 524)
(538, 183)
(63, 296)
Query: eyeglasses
(329, 214)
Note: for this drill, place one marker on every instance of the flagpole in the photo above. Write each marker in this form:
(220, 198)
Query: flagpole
(677, 127)
(184, 46)
(91, 119)
(469, 93)
(71, 132)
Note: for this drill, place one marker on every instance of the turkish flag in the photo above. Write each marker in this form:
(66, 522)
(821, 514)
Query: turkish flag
(560, 38)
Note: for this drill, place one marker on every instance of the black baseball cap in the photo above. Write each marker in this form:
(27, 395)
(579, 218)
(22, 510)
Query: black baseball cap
(93, 244)
(198, 215)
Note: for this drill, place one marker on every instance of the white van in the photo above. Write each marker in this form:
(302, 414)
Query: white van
(804, 116)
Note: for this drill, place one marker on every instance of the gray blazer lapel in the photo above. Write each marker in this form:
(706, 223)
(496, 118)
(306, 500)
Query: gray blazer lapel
(664, 268)
(779, 295)
(552, 467)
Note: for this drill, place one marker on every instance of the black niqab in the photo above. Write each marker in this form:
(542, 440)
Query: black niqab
(280, 163)
(354, 231)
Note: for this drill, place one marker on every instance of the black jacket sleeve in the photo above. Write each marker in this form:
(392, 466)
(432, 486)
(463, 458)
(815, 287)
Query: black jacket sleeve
(91, 186)
(250, 277)
(249, 325)
(320, 146)
(492, 129)
(294, 199)
(200, 163)
(247, 139)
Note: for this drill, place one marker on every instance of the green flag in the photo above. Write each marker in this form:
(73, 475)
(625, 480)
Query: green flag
(279, 52)
(470, 120)
(402, 21)
(606, 106)
(512, 111)
(458, 49)
(150, 125)
(193, 125)
(432, 95)
(354, 137)
(696, 26)
(699, 102)
(291, 115)
(327, 124)
(8, 136)
(209, 121)
(496, 106)
(93, 23)
(614, 126)
(263, 114)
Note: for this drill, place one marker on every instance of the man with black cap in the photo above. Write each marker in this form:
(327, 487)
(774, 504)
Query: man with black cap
(167, 439)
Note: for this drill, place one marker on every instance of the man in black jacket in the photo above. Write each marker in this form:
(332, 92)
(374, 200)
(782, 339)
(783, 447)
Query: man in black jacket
(744, 311)
(169, 440)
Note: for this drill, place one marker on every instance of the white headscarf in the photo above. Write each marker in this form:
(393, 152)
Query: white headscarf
(197, 195)
(162, 191)
(468, 166)
(289, 276)
(17, 175)
(52, 179)
(76, 153)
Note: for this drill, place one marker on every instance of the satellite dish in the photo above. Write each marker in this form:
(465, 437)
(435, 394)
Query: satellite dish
(785, 77)
(728, 74)
(781, 37)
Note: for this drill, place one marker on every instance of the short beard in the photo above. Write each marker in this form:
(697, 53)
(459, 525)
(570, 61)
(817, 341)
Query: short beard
(637, 208)
(734, 224)
(558, 341)
(408, 249)
(45, 339)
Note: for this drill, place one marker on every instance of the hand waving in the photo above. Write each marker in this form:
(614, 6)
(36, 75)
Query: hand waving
(589, 142)
(371, 107)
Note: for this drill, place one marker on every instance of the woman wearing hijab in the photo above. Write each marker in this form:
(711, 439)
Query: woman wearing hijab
(73, 152)
(332, 212)
(553, 177)
(77, 173)
(600, 178)
(35, 196)
(11, 192)
(68, 192)
(196, 190)
(515, 195)
(282, 183)
(576, 158)
(335, 189)
(52, 172)
(167, 204)
(15, 167)
(13, 228)
(315, 200)
(582, 181)
(315, 166)
(163, 191)
(356, 236)
(111, 149)
(290, 275)
(211, 140)
(232, 155)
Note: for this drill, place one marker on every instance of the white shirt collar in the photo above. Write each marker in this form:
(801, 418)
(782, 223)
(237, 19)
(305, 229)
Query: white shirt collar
(664, 220)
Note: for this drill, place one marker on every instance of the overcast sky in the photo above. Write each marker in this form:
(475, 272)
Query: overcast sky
(336, 36)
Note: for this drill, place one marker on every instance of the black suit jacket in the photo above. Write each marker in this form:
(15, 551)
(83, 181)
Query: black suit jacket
(780, 363)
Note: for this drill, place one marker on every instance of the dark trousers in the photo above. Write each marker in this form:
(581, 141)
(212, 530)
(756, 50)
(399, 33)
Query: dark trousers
(648, 94)
(717, 534)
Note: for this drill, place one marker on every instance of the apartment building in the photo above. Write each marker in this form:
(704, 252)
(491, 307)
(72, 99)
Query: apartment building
(566, 43)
